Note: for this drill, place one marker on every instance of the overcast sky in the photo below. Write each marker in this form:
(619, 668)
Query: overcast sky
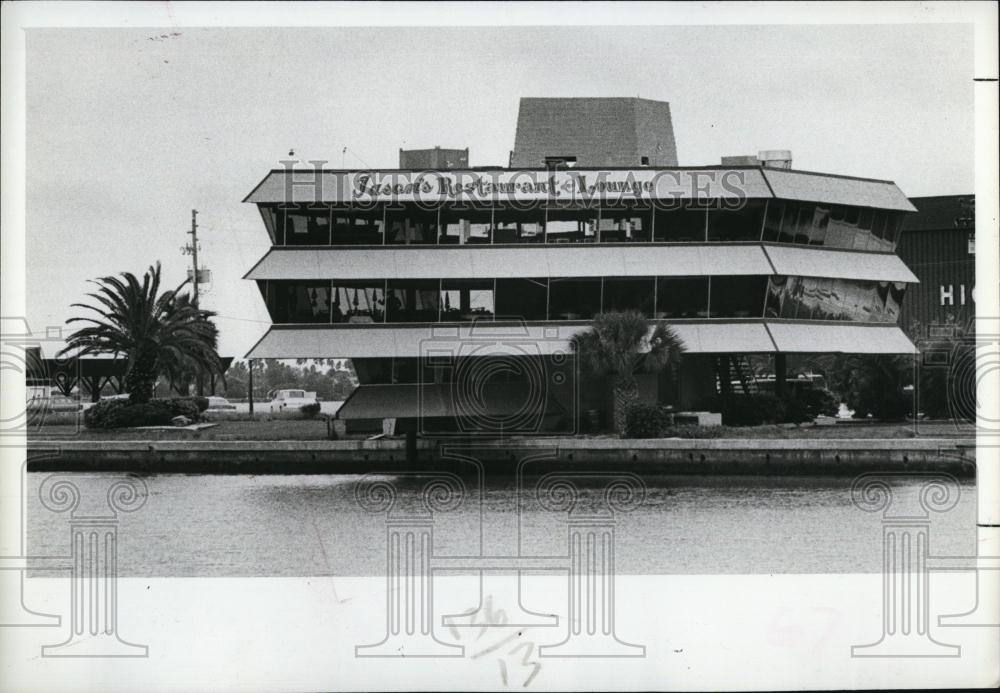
(128, 131)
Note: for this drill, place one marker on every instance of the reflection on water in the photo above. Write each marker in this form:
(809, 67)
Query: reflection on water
(313, 525)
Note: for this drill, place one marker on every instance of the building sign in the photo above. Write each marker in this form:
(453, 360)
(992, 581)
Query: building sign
(949, 298)
(493, 186)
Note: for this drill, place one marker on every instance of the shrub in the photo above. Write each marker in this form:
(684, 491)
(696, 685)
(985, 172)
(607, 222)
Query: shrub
(643, 420)
(310, 410)
(120, 413)
(104, 414)
(185, 406)
(797, 410)
(155, 412)
(201, 403)
(747, 410)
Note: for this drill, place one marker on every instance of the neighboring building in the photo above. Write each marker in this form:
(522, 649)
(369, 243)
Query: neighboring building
(739, 261)
(587, 132)
(939, 244)
(433, 159)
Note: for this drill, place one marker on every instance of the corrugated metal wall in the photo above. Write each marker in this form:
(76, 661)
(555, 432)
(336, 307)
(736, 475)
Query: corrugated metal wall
(947, 273)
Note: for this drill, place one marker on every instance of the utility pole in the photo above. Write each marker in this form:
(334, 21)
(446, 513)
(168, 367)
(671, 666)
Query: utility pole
(194, 255)
(194, 251)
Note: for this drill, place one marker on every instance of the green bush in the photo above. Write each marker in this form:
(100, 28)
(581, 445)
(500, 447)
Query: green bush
(120, 413)
(201, 403)
(797, 410)
(643, 420)
(747, 410)
(185, 406)
(104, 414)
(155, 412)
(310, 411)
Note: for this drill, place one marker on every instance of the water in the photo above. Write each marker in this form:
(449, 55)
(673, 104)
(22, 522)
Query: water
(242, 526)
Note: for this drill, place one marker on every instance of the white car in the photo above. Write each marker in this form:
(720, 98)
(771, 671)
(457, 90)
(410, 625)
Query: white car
(217, 403)
(291, 400)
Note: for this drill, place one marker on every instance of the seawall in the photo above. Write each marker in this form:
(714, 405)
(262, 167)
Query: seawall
(678, 456)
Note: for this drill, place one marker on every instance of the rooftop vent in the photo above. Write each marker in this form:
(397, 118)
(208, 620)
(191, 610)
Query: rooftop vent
(775, 158)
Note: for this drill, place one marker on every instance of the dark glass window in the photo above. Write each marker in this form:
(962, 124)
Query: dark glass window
(818, 225)
(680, 222)
(626, 223)
(819, 298)
(462, 226)
(305, 225)
(411, 227)
(358, 301)
(842, 233)
(772, 224)
(574, 298)
(466, 299)
(269, 213)
(298, 302)
(743, 224)
(357, 227)
(629, 294)
(413, 300)
(737, 296)
(682, 297)
(523, 299)
(511, 225)
(570, 225)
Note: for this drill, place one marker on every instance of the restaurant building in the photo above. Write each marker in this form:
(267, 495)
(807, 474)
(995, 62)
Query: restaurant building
(456, 292)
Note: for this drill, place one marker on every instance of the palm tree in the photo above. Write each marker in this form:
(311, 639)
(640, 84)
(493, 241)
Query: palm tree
(157, 333)
(620, 345)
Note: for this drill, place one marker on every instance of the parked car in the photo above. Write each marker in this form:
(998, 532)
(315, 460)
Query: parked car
(220, 403)
(53, 402)
(291, 400)
(59, 403)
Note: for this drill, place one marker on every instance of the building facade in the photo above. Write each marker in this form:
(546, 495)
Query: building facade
(456, 293)
(938, 243)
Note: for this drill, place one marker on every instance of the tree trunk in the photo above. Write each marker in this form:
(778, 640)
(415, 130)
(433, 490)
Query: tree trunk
(624, 390)
(141, 378)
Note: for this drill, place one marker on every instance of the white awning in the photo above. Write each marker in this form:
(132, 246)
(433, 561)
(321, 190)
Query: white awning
(840, 338)
(840, 264)
(415, 262)
(839, 190)
(351, 341)
(737, 337)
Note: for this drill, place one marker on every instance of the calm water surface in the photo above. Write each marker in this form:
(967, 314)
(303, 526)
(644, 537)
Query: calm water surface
(310, 525)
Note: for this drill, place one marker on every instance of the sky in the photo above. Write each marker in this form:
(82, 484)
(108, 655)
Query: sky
(130, 129)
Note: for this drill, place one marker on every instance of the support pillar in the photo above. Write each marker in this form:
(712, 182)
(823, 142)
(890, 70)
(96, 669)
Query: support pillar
(780, 373)
(250, 385)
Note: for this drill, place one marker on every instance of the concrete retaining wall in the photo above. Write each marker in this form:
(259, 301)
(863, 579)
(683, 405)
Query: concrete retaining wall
(681, 456)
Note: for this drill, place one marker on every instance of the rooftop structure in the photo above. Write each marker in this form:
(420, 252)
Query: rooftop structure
(433, 159)
(606, 132)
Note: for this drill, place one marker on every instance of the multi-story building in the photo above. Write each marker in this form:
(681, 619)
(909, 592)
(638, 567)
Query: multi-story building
(456, 293)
